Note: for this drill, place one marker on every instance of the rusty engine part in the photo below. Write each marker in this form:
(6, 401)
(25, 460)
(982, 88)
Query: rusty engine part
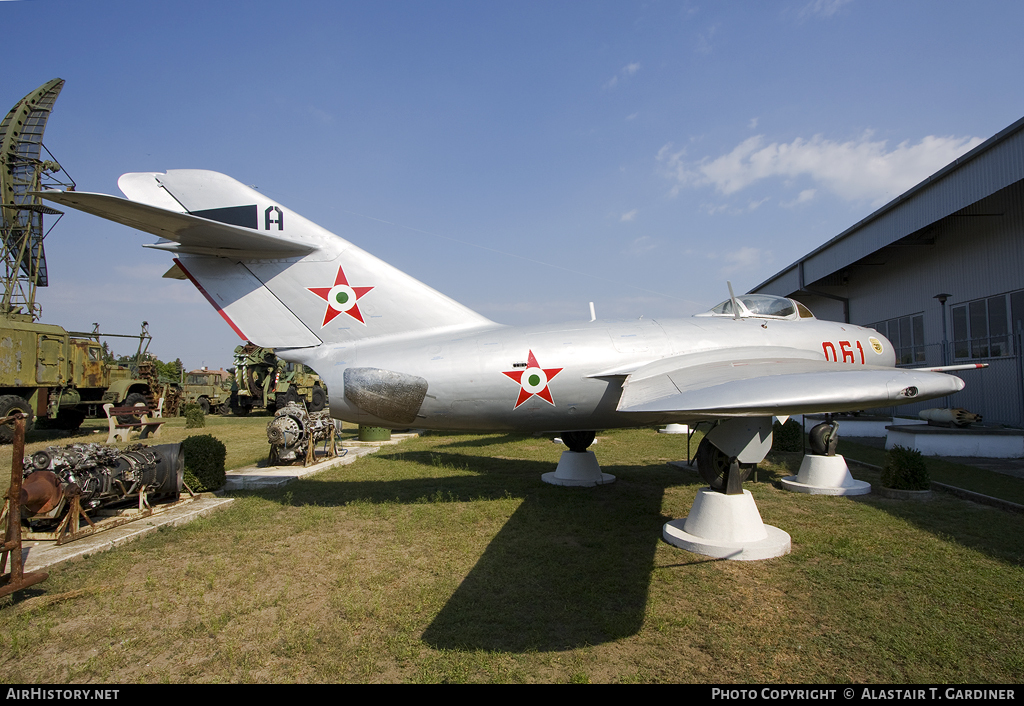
(294, 433)
(950, 417)
(80, 477)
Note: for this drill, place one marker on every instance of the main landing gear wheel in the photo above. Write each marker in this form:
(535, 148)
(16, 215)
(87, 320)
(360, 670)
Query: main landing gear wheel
(578, 441)
(714, 467)
(823, 439)
(724, 522)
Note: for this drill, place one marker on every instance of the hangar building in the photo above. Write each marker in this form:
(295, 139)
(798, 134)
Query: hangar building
(959, 233)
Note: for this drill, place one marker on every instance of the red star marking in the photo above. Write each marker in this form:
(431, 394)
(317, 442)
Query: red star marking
(341, 298)
(533, 380)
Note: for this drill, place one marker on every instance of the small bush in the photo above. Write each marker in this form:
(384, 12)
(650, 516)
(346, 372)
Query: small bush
(788, 436)
(204, 462)
(905, 469)
(194, 417)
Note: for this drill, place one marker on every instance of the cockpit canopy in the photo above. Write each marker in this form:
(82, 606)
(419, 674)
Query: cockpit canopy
(762, 306)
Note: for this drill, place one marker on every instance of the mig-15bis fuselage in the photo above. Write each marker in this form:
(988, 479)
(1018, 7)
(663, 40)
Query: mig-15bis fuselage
(397, 353)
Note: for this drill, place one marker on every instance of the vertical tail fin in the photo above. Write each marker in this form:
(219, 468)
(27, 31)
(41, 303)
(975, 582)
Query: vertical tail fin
(278, 279)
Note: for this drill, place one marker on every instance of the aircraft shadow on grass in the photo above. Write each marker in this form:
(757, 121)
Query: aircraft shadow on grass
(571, 567)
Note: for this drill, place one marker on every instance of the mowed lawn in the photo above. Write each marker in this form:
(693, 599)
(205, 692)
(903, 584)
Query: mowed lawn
(446, 559)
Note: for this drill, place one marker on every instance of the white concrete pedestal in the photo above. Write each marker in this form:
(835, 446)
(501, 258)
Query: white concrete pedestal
(825, 475)
(727, 527)
(578, 469)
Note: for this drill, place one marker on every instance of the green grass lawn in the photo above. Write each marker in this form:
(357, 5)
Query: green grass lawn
(446, 559)
(978, 480)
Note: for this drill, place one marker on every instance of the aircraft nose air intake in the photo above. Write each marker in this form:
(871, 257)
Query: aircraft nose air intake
(391, 396)
(909, 391)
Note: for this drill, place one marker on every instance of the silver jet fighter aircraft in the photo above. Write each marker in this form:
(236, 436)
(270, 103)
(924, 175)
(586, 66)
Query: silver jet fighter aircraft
(396, 353)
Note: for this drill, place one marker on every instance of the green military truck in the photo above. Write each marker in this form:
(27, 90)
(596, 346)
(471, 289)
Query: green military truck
(209, 389)
(263, 381)
(46, 371)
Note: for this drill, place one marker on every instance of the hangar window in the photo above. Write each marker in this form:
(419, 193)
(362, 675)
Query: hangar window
(981, 329)
(906, 334)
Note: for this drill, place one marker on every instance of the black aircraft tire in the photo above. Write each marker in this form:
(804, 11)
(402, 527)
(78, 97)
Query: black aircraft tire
(578, 441)
(9, 404)
(713, 466)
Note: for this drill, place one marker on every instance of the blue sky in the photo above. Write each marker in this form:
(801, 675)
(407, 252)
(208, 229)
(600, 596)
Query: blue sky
(524, 158)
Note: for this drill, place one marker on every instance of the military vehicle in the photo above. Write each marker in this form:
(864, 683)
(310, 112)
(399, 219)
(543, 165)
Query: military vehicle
(45, 370)
(209, 389)
(263, 381)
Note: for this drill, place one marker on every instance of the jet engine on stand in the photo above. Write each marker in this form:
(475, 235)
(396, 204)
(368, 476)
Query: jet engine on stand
(62, 484)
(294, 433)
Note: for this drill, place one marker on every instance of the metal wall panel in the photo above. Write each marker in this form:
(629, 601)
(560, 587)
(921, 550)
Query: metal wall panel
(993, 165)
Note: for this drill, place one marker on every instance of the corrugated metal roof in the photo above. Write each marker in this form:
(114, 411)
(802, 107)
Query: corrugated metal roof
(993, 165)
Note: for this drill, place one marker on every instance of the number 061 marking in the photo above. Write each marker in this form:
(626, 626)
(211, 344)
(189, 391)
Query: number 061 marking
(847, 349)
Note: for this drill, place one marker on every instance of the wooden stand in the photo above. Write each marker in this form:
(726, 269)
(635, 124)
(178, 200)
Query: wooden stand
(17, 579)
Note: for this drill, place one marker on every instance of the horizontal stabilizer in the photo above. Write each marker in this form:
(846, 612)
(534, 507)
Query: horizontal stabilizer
(187, 233)
(766, 386)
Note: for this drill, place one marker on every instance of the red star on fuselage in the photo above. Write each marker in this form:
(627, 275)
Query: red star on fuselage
(341, 298)
(533, 380)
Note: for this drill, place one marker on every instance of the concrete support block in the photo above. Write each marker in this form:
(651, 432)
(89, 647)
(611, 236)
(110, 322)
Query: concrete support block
(579, 470)
(825, 475)
(726, 527)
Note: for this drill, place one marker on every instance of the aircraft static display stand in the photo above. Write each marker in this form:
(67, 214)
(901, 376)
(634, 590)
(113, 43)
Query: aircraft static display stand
(727, 527)
(396, 353)
(577, 466)
(825, 475)
(823, 471)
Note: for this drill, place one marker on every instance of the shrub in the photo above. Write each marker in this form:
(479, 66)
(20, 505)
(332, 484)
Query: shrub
(905, 469)
(204, 462)
(194, 417)
(788, 436)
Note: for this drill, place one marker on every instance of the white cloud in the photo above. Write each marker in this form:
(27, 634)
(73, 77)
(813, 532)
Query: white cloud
(704, 40)
(641, 245)
(745, 258)
(803, 197)
(753, 123)
(625, 72)
(856, 170)
(822, 8)
(632, 116)
(628, 216)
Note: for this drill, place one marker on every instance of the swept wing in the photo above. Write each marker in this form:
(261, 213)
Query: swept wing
(753, 382)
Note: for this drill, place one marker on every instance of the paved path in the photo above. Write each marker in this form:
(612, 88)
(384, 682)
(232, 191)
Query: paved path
(38, 555)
